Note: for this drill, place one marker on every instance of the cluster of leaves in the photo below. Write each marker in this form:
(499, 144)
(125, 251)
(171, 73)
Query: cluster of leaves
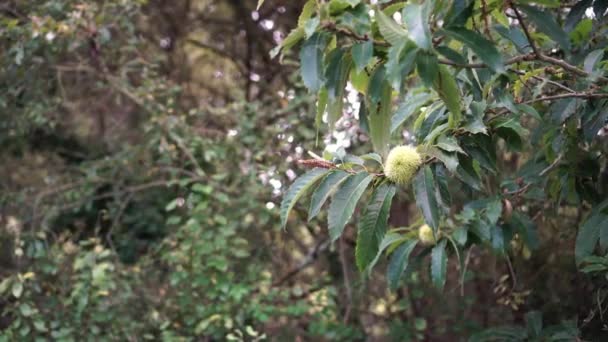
(507, 101)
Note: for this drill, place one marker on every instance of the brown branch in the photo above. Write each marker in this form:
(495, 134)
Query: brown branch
(568, 95)
(512, 60)
(566, 66)
(347, 282)
(308, 260)
(525, 28)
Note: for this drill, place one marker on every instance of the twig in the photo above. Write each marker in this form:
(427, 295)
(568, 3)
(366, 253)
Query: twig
(566, 66)
(512, 60)
(308, 260)
(568, 95)
(525, 28)
(346, 276)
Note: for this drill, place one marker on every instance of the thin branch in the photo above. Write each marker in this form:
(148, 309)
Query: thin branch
(525, 28)
(567, 95)
(347, 282)
(512, 60)
(566, 66)
(308, 260)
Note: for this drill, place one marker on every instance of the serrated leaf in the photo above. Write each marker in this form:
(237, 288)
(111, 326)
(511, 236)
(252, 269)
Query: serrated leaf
(475, 122)
(467, 173)
(336, 76)
(379, 104)
(373, 225)
(450, 160)
(459, 13)
(307, 11)
(591, 60)
(328, 185)
(483, 48)
(292, 39)
(389, 239)
(546, 24)
(372, 156)
(410, 105)
(311, 26)
(588, 235)
(576, 14)
(390, 30)
(439, 263)
(449, 144)
(345, 200)
(400, 63)
(362, 54)
(416, 18)
(447, 89)
(427, 67)
(424, 190)
(297, 189)
(311, 61)
(399, 262)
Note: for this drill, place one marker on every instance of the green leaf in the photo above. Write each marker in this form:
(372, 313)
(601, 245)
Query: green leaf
(416, 18)
(439, 263)
(588, 235)
(546, 24)
(372, 156)
(410, 105)
(324, 190)
(390, 30)
(307, 11)
(400, 63)
(344, 202)
(449, 144)
(592, 59)
(260, 3)
(297, 189)
(459, 13)
(427, 67)
(373, 225)
(483, 48)
(336, 75)
(450, 160)
(17, 289)
(399, 262)
(362, 54)
(467, 173)
(389, 239)
(311, 61)
(447, 89)
(576, 14)
(311, 26)
(292, 39)
(424, 190)
(379, 113)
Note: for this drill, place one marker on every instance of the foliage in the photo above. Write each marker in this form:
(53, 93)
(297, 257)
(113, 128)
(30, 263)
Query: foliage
(151, 152)
(506, 101)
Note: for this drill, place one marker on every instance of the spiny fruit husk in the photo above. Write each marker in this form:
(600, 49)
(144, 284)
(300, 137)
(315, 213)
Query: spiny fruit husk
(401, 164)
(425, 234)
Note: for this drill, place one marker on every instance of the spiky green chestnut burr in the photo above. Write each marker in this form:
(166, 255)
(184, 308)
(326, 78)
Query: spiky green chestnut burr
(426, 236)
(401, 164)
